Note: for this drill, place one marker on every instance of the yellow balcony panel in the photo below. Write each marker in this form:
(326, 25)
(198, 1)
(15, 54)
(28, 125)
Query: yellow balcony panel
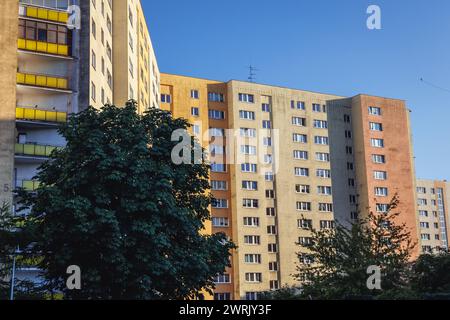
(42, 14)
(19, 148)
(49, 150)
(63, 50)
(20, 113)
(61, 117)
(62, 83)
(40, 115)
(30, 185)
(63, 17)
(20, 78)
(32, 12)
(30, 79)
(21, 43)
(52, 48)
(41, 46)
(52, 82)
(41, 81)
(53, 15)
(40, 151)
(29, 114)
(51, 116)
(29, 149)
(31, 45)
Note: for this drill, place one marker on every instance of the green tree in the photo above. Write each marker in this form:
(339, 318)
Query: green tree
(341, 257)
(113, 203)
(430, 274)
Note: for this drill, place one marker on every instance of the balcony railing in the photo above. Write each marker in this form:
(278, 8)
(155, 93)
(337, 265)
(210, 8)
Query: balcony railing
(43, 47)
(42, 81)
(28, 185)
(34, 150)
(40, 115)
(44, 14)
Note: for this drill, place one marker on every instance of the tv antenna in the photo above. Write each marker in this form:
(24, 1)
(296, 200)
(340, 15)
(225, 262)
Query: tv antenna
(252, 73)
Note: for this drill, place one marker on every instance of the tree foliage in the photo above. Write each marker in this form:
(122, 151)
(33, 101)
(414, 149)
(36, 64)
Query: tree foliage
(341, 257)
(113, 203)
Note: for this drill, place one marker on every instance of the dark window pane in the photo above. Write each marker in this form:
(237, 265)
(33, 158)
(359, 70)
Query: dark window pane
(51, 36)
(31, 34)
(62, 38)
(42, 35)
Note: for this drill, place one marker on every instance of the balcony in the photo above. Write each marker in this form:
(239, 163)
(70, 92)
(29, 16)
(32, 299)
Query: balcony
(43, 81)
(43, 47)
(29, 152)
(40, 117)
(43, 14)
(28, 185)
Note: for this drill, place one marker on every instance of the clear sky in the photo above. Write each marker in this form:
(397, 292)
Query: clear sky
(324, 46)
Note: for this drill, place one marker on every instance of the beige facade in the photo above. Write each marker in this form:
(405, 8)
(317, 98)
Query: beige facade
(433, 200)
(136, 71)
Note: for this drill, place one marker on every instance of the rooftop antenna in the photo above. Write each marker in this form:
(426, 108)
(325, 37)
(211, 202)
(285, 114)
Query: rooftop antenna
(252, 73)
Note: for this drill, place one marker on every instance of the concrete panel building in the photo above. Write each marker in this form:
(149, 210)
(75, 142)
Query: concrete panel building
(433, 200)
(296, 160)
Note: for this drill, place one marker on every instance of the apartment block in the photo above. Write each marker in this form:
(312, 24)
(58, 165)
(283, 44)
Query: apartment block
(433, 199)
(295, 160)
(52, 67)
(135, 66)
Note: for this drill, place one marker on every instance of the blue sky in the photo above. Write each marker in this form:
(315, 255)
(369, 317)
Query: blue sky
(321, 45)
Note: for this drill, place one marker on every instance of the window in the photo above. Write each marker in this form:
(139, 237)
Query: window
(316, 107)
(267, 124)
(216, 132)
(425, 236)
(166, 98)
(265, 107)
(253, 277)
(421, 190)
(195, 94)
(377, 143)
(422, 202)
(218, 167)
(216, 149)
(300, 105)
(323, 173)
(272, 248)
(250, 185)
(248, 132)
(216, 97)
(375, 126)
(320, 124)
(249, 167)
(380, 175)
(268, 159)
(251, 222)
(297, 121)
(252, 258)
(423, 213)
(321, 140)
(222, 296)
(270, 194)
(376, 111)
(348, 134)
(425, 225)
(305, 241)
(269, 176)
(217, 185)
(216, 114)
(249, 98)
(381, 192)
(304, 206)
(94, 29)
(347, 118)
(305, 224)
(253, 240)
(349, 150)
(94, 60)
(270, 212)
(382, 207)
(323, 157)
(300, 138)
(219, 203)
(250, 203)
(327, 224)
(267, 141)
(220, 222)
(246, 115)
(93, 92)
(273, 266)
(248, 150)
(324, 190)
(378, 158)
(251, 296)
(301, 172)
(195, 111)
(325, 207)
(271, 230)
(302, 188)
(300, 155)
